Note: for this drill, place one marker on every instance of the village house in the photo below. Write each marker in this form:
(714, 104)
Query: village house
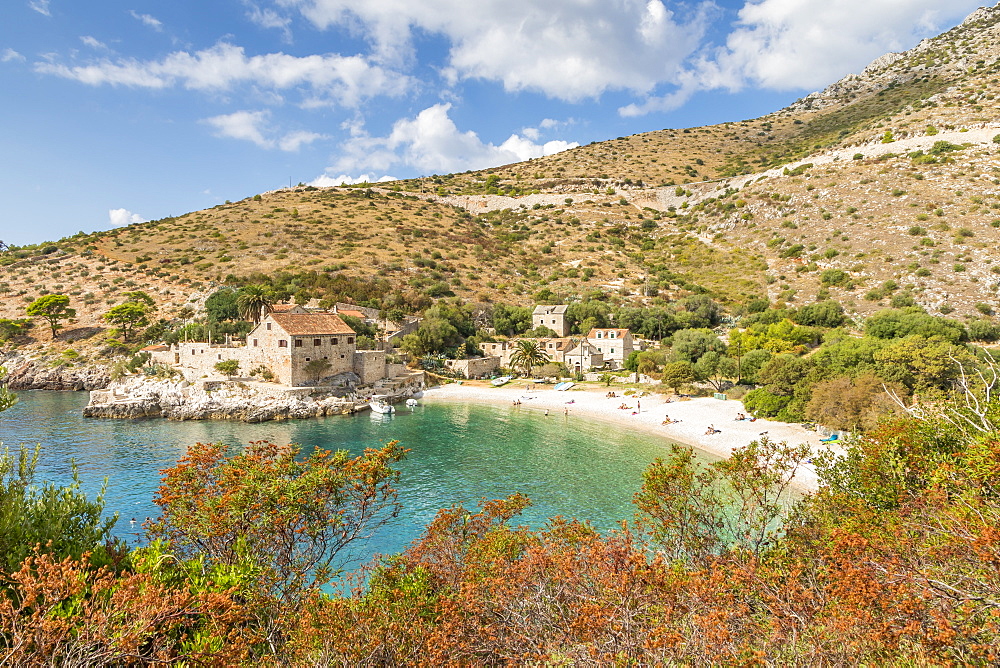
(298, 348)
(551, 316)
(614, 344)
(575, 353)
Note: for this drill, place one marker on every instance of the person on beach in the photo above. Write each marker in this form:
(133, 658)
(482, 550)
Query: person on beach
(546, 411)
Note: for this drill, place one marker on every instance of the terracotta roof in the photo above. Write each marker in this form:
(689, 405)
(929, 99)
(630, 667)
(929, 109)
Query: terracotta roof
(353, 314)
(311, 324)
(155, 349)
(620, 333)
(283, 308)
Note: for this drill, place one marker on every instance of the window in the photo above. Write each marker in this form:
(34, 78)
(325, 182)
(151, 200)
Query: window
(282, 343)
(598, 335)
(611, 334)
(268, 326)
(308, 359)
(255, 343)
(334, 340)
(612, 351)
(341, 357)
(350, 339)
(298, 343)
(317, 342)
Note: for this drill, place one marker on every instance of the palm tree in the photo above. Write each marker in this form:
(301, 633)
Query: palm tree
(527, 354)
(254, 301)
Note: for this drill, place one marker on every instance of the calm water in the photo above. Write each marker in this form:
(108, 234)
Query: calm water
(460, 453)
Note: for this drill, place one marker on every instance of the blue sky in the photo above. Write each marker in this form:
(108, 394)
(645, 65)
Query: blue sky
(121, 111)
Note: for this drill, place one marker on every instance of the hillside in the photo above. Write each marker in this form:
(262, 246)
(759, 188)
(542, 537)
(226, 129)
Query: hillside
(882, 189)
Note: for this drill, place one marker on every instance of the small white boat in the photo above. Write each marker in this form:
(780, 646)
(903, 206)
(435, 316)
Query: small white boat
(562, 387)
(380, 404)
(411, 403)
(502, 380)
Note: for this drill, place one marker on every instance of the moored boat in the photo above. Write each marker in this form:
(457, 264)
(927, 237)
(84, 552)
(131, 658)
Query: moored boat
(380, 404)
(502, 380)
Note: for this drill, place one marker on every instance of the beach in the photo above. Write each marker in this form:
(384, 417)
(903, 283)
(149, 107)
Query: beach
(693, 416)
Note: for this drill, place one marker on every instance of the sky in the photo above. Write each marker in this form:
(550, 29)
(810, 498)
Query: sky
(121, 111)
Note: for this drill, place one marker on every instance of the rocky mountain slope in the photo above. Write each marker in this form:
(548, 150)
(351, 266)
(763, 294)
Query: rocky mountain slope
(882, 189)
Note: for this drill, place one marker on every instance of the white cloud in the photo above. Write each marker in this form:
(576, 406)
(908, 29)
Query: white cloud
(322, 79)
(147, 20)
(123, 217)
(253, 126)
(432, 143)
(807, 44)
(40, 6)
(326, 181)
(93, 42)
(270, 19)
(567, 49)
(11, 56)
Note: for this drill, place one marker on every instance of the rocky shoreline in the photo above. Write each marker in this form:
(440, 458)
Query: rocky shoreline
(27, 374)
(218, 400)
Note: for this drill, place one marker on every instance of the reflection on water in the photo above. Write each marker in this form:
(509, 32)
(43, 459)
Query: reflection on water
(460, 454)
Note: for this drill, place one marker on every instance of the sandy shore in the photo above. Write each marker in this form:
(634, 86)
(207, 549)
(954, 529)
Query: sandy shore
(645, 414)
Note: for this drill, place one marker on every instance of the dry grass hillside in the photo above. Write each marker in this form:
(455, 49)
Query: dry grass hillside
(882, 189)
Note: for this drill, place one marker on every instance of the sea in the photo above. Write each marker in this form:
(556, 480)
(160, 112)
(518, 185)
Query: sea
(459, 454)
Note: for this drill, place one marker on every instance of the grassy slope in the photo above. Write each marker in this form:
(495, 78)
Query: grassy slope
(852, 215)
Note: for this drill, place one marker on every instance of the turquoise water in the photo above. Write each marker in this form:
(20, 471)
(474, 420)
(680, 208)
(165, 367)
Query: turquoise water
(460, 454)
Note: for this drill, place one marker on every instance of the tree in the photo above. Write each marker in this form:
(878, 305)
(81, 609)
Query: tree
(7, 398)
(528, 354)
(228, 367)
(128, 317)
(827, 313)
(10, 328)
(254, 302)
(511, 320)
(697, 510)
(288, 516)
(688, 345)
(60, 520)
(51, 308)
(715, 369)
(316, 369)
(221, 306)
(677, 374)
(843, 403)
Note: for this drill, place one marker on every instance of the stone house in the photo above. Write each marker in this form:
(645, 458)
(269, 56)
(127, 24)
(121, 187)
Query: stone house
(581, 357)
(614, 344)
(562, 350)
(285, 343)
(551, 316)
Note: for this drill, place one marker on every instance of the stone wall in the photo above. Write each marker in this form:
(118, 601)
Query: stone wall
(476, 367)
(370, 366)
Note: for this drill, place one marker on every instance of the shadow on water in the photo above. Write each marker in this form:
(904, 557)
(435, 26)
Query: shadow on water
(460, 454)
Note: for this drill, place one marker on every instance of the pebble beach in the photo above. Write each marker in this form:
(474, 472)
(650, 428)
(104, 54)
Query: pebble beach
(692, 417)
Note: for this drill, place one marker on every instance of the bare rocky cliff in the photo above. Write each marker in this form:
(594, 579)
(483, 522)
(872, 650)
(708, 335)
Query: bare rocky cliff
(29, 374)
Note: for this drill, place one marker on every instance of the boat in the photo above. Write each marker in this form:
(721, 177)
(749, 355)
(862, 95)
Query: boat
(561, 387)
(380, 404)
(411, 403)
(502, 380)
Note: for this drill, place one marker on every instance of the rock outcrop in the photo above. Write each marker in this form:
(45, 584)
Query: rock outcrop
(26, 374)
(245, 402)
